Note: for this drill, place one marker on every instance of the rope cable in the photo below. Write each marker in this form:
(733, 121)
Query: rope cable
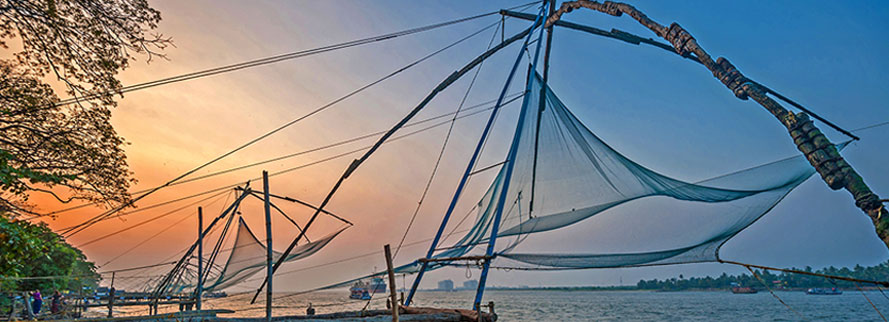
(324, 160)
(92, 221)
(273, 59)
(441, 151)
(337, 156)
(763, 282)
(869, 301)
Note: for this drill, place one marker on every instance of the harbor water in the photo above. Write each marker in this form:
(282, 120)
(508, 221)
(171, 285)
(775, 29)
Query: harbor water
(519, 305)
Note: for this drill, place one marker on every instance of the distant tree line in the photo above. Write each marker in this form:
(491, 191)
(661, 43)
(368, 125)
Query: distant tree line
(776, 281)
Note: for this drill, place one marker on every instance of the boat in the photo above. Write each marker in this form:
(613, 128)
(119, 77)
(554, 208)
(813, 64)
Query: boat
(743, 290)
(824, 291)
(363, 290)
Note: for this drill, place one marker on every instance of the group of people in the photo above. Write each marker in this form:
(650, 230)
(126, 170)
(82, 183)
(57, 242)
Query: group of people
(37, 302)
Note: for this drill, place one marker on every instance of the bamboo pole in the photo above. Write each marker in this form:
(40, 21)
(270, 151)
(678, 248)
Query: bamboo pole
(268, 246)
(393, 296)
(821, 153)
(200, 285)
(14, 302)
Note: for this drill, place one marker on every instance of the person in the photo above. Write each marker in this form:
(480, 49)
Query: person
(310, 310)
(56, 302)
(37, 303)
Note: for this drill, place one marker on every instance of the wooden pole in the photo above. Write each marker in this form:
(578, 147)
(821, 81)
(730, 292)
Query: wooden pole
(393, 296)
(14, 302)
(27, 298)
(268, 246)
(111, 295)
(200, 284)
(81, 309)
(110, 302)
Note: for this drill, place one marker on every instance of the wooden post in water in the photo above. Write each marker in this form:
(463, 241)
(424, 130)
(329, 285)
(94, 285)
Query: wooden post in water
(268, 246)
(200, 285)
(111, 296)
(393, 296)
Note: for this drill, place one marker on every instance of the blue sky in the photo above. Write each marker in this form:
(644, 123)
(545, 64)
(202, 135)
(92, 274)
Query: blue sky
(658, 109)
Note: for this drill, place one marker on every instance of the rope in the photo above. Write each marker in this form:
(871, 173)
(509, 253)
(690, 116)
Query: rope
(870, 126)
(843, 278)
(341, 155)
(835, 172)
(881, 292)
(441, 151)
(273, 59)
(869, 301)
(308, 164)
(332, 145)
(95, 219)
(151, 220)
(773, 293)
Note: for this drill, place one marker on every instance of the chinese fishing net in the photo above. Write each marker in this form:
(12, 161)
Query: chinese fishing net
(247, 258)
(564, 174)
(577, 177)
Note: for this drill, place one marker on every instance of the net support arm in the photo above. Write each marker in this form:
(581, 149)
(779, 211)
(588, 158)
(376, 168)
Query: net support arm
(182, 261)
(509, 166)
(357, 162)
(636, 40)
(297, 201)
(821, 153)
(424, 265)
(260, 196)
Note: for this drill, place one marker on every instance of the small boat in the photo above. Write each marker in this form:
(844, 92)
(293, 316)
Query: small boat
(824, 291)
(363, 290)
(743, 290)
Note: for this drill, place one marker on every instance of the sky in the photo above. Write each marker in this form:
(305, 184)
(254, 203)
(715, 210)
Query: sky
(662, 111)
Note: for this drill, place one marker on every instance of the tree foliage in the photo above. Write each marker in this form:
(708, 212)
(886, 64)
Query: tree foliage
(33, 250)
(777, 281)
(68, 151)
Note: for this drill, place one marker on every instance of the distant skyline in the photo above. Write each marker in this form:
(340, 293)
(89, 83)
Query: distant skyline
(658, 109)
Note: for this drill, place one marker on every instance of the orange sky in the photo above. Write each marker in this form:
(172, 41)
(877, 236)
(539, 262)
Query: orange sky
(174, 128)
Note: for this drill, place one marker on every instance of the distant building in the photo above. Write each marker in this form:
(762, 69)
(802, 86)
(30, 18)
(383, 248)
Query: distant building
(470, 285)
(446, 285)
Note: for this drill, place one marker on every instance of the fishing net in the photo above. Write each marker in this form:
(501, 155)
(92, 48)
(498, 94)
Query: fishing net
(564, 174)
(248, 257)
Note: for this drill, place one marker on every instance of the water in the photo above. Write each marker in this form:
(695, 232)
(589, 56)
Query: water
(591, 306)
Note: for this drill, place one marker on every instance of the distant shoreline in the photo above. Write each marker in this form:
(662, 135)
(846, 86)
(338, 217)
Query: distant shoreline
(635, 289)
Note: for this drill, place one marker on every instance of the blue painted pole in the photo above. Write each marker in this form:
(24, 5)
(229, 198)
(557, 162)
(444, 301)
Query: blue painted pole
(469, 167)
(510, 163)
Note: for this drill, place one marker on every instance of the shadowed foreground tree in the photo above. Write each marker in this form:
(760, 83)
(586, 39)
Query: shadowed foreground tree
(28, 250)
(68, 151)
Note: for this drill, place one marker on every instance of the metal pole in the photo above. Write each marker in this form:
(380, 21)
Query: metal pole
(393, 295)
(549, 43)
(268, 246)
(470, 166)
(200, 286)
(510, 163)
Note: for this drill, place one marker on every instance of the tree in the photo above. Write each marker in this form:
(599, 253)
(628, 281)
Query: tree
(29, 250)
(68, 151)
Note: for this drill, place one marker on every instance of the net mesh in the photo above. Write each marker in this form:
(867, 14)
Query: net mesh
(578, 177)
(247, 258)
